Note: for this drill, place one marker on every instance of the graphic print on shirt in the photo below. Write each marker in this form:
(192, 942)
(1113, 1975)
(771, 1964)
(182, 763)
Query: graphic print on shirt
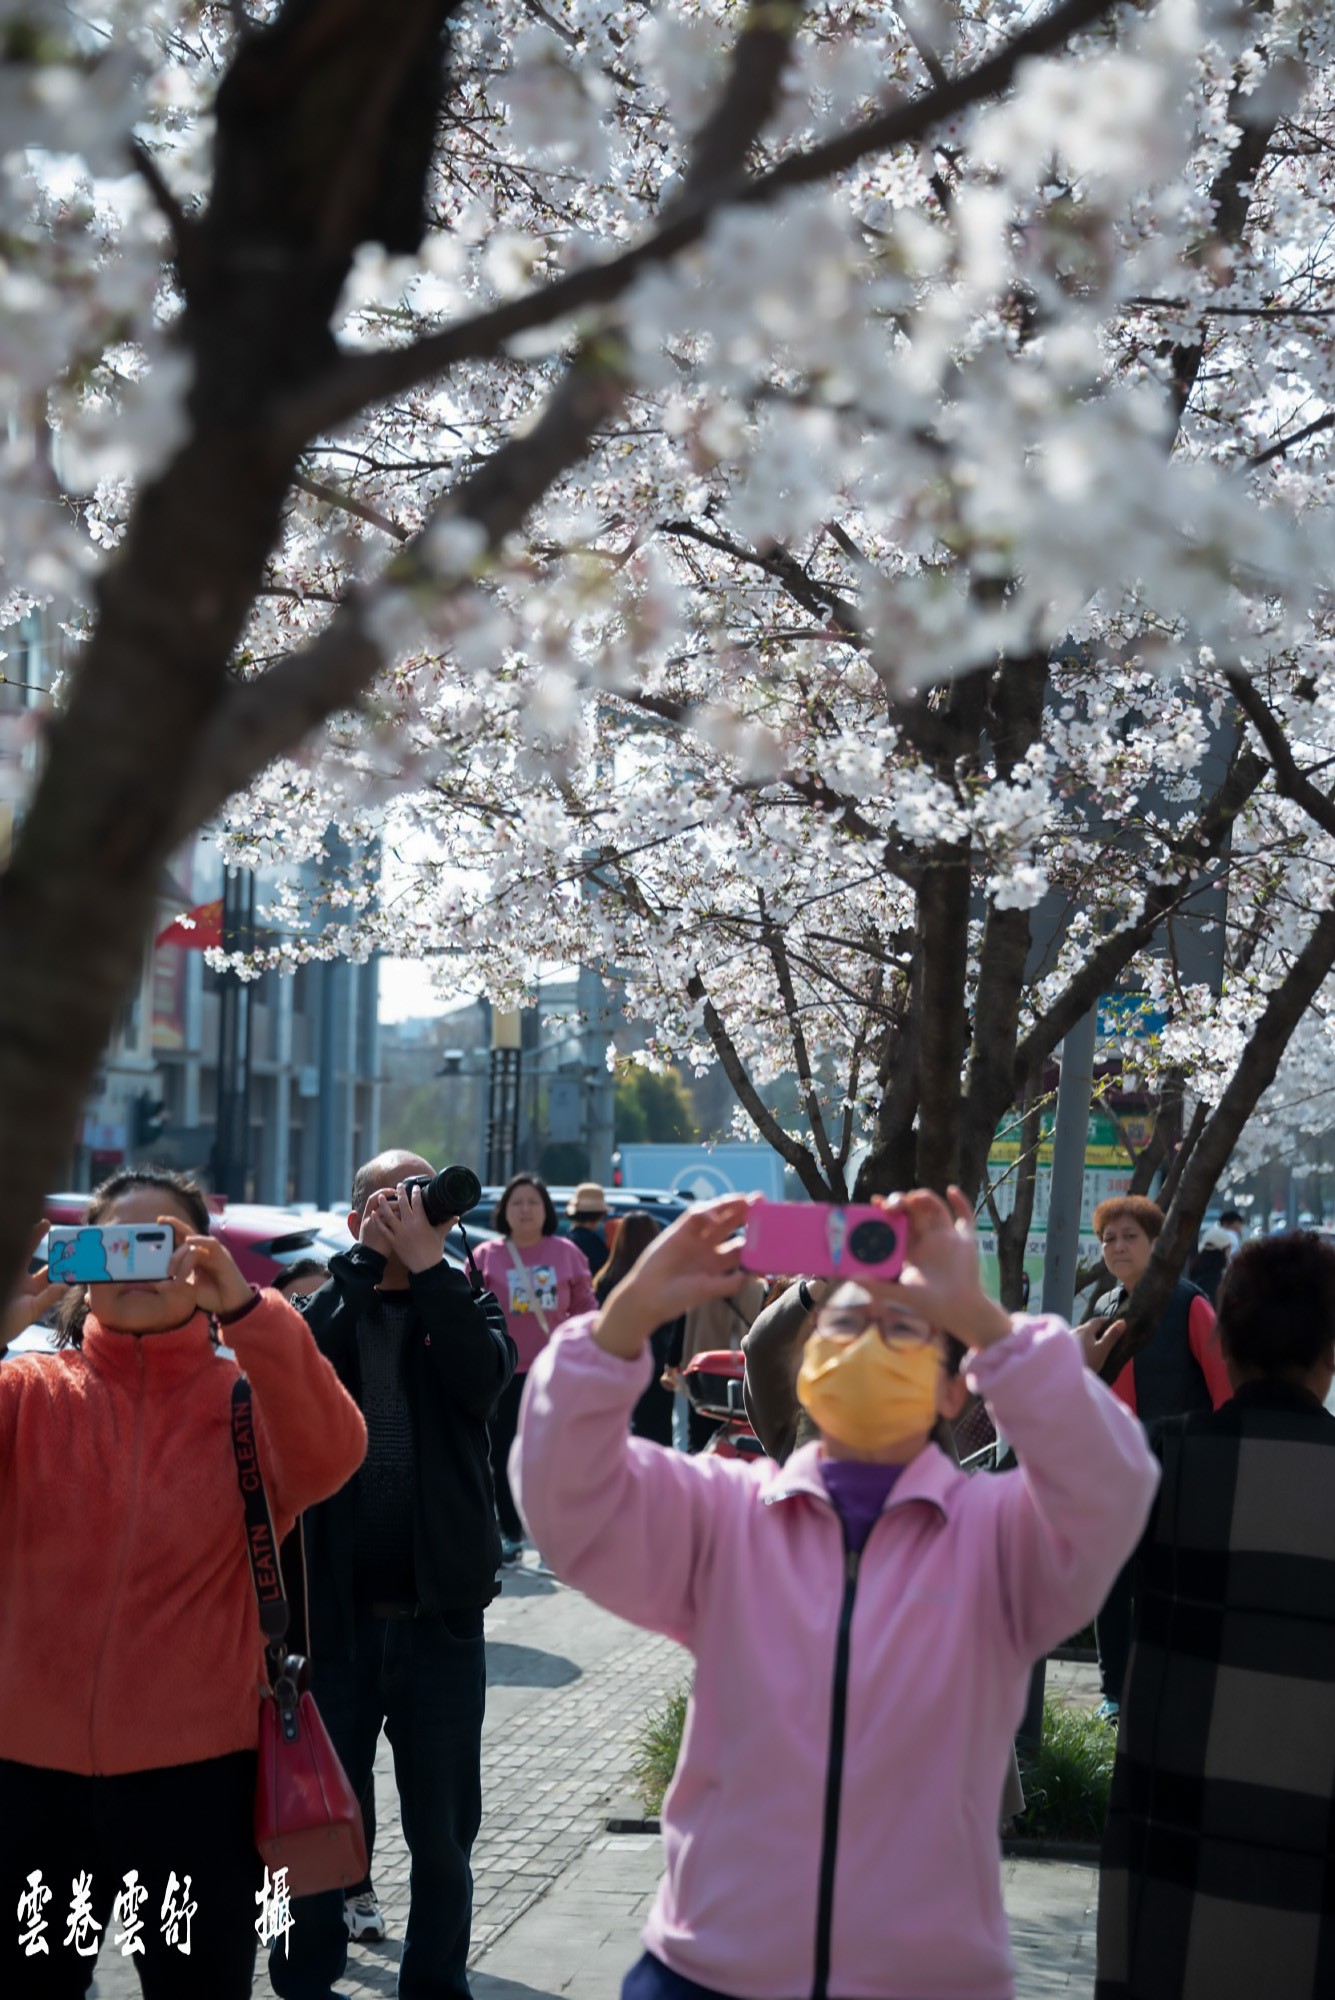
(521, 1283)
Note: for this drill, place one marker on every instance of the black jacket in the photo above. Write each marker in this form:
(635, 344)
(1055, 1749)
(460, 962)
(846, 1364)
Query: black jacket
(1169, 1380)
(458, 1358)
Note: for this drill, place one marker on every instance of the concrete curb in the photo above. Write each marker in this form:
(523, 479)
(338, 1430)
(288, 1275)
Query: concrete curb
(1084, 1852)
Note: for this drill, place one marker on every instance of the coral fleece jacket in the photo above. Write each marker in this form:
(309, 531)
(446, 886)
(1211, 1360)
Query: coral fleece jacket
(130, 1637)
(963, 1583)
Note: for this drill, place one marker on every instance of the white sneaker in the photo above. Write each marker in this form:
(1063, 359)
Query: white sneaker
(362, 1916)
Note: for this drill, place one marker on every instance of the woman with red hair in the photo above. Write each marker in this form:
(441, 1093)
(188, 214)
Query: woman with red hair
(1179, 1370)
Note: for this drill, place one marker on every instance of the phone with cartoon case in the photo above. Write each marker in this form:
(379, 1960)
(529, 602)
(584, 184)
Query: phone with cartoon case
(108, 1253)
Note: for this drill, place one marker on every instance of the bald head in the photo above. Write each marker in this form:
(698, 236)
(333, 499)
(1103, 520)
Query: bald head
(386, 1170)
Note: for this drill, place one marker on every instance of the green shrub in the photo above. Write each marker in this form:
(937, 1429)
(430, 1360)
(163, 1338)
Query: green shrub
(1066, 1785)
(656, 1751)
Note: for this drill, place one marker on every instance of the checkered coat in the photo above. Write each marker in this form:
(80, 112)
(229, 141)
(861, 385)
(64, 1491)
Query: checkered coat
(1218, 1877)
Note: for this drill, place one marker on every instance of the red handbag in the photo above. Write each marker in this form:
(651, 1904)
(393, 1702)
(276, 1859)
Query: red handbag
(307, 1817)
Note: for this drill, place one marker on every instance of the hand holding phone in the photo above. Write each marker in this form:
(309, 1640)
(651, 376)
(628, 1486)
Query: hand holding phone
(207, 1265)
(815, 1240)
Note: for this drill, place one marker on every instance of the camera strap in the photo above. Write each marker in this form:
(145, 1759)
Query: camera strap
(474, 1276)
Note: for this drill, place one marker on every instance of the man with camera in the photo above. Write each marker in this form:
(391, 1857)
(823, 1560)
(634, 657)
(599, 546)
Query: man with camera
(402, 1562)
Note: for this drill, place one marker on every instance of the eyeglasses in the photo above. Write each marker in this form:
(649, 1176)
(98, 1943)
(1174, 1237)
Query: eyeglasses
(852, 1322)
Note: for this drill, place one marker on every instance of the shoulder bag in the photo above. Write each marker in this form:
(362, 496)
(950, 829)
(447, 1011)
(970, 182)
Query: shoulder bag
(307, 1816)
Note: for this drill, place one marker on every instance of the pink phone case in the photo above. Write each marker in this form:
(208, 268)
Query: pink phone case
(811, 1240)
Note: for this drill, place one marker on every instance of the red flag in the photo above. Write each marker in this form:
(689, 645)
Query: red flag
(200, 929)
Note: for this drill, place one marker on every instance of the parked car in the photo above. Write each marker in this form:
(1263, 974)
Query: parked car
(661, 1203)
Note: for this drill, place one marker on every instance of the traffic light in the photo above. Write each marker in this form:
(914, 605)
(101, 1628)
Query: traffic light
(150, 1116)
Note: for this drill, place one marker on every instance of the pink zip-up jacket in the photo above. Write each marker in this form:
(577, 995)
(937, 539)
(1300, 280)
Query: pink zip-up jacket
(784, 1848)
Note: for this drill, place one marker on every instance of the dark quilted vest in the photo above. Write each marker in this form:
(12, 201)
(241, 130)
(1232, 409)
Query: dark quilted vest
(1168, 1377)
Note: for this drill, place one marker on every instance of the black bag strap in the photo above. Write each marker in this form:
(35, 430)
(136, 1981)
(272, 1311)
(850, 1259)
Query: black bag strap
(288, 1673)
(261, 1542)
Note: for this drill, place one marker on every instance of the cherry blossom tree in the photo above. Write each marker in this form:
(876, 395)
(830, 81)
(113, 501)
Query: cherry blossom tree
(722, 765)
(769, 486)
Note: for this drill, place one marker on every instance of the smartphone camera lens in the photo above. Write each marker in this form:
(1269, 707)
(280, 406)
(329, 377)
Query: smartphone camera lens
(873, 1242)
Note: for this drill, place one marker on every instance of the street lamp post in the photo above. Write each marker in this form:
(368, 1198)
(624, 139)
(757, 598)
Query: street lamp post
(231, 1144)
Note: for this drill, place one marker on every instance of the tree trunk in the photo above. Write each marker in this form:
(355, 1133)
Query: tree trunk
(943, 931)
(1013, 1229)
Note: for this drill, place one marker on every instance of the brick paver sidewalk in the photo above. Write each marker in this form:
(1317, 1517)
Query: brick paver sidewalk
(583, 1936)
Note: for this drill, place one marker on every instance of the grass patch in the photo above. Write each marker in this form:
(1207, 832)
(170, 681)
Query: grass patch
(656, 1750)
(1066, 1785)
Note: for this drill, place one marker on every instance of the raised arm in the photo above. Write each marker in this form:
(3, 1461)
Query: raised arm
(628, 1522)
(1071, 1515)
(32, 1297)
(312, 1434)
(773, 1350)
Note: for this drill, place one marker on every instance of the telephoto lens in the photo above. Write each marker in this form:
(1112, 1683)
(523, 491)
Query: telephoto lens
(449, 1193)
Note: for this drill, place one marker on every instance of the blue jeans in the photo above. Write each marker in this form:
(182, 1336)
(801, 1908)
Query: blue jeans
(425, 1679)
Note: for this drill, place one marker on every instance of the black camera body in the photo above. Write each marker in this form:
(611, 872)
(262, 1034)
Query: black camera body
(452, 1192)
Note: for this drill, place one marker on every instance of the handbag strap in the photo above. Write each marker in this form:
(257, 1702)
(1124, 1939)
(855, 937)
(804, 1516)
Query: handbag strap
(530, 1286)
(261, 1542)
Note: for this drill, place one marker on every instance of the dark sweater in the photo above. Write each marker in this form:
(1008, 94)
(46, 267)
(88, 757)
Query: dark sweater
(383, 1567)
(457, 1358)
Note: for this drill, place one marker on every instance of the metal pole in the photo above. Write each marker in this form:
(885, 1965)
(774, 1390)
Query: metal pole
(1070, 1139)
(231, 1143)
(326, 1191)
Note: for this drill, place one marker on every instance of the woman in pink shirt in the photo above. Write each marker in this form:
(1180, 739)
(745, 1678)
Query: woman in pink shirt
(864, 1618)
(541, 1280)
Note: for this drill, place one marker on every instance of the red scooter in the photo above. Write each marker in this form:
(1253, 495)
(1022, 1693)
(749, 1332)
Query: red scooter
(713, 1381)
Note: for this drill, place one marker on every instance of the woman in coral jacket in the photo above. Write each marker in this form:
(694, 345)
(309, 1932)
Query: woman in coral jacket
(131, 1659)
(864, 1618)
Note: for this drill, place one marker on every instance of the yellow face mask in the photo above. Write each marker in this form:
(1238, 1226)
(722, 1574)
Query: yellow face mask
(870, 1394)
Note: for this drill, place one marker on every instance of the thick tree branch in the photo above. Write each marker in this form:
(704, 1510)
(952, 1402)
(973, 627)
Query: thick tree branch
(274, 712)
(1292, 781)
(348, 503)
(1113, 953)
(1286, 444)
(768, 1126)
(806, 1083)
(359, 380)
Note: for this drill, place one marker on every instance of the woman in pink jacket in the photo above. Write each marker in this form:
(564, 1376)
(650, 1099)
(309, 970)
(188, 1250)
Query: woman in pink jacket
(864, 1618)
(541, 1280)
